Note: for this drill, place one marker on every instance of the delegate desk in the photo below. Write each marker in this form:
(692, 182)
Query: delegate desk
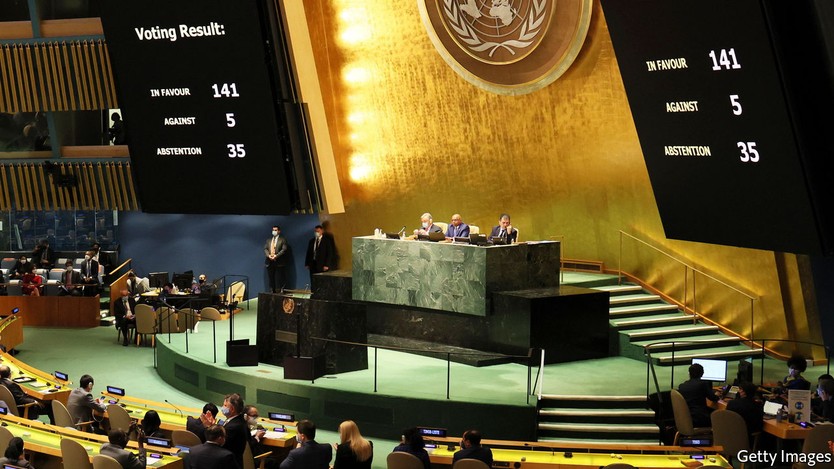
(520, 458)
(176, 419)
(35, 382)
(446, 276)
(45, 439)
(783, 430)
(55, 311)
(11, 331)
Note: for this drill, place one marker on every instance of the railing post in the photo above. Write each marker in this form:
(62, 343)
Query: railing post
(448, 372)
(672, 379)
(752, 323)
(620, 261)
(761, 365)
(376, 362)
(214, 337)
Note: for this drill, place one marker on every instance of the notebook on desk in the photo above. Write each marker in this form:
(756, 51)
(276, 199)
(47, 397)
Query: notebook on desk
(771, 408)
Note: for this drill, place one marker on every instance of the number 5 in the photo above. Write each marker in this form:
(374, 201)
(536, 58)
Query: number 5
(734, 102)
(230, 119)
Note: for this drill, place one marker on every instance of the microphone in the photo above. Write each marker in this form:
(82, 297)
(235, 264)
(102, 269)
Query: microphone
(175, 407)
(402, 230)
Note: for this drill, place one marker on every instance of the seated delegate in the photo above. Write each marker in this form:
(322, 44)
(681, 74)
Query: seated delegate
(427, 226)
(457, 228)
(504, 230)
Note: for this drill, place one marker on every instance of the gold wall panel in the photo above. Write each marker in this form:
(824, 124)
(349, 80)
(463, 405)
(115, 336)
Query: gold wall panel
(411, 136)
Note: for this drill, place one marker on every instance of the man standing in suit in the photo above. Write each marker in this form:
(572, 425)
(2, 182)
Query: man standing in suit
(504, 230)
(43, 256)
(275, 251)
(123, 310)
(198, 425)
(89, 274)
(457, 228)
(116, 449)
(470, 448)
(71, 282)
(321, 253)
(308, 454)
(81, 404)
(237, 430)
(21, 398)
(211, 454)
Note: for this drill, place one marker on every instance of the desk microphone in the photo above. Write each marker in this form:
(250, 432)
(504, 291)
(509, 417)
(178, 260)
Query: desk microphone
(175, 407)
(402, 231)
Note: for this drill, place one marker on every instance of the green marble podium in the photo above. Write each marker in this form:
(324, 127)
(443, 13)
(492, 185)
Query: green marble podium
(447, 276)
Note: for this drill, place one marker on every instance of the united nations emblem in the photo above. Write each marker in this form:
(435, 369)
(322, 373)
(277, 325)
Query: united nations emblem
(508, 46)
(288, 305)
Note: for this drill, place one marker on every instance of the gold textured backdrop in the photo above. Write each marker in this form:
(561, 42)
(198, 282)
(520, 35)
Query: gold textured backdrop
(411, 136)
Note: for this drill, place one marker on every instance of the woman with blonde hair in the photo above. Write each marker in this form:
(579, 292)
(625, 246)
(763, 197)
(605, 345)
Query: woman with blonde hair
(353, 451)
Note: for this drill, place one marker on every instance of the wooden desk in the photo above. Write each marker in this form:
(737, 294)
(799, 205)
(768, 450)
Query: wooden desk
(45, 439)
(57, 311)
(558, 460)
(11, 331)
(783, 430)
(174, 420)
(43, 386)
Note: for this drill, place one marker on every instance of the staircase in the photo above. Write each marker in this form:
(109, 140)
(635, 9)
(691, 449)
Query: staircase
(596, 419)
(638, 319)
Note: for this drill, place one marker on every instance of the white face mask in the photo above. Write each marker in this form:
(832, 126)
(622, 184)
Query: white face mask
(86, 258)
(69, 268)
(425, 225)
(23, 261)
(274, 233)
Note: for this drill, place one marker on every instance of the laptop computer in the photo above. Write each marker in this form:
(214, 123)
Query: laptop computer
(771, 408)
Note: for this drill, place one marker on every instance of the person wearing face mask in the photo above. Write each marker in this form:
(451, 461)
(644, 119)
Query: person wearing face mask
(237, 430)
(427, 226)
(81, 404)
(256, 435)
(123, 310)
(275, 250)
(89, 274)
(21, 268)
(71, 282)
(43, 256)
(321, 253)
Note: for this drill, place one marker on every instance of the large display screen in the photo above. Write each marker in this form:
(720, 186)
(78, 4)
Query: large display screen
(714, 122)
(197, 100)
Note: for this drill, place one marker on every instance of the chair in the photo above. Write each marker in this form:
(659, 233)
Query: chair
(7, 397)
(249, 458)
(7, 263)
(185, 320)
(166, 319)
(235, 292)
(683, 419)
(443, 226)
(478, 464)
(402, 460)
(101, 461)
(63, 417)
(119, 418)
(74, 455)
(817, 443)
(184, 438)
(474, 229)
(210, 313)
(130, 327)
(145, 323)
(730, 431)
(5, 437)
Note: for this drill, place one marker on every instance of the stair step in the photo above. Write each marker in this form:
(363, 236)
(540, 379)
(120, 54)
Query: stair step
(600, 428)
(586, 398)
(631, 299)
(619, 311)
(698, 341)
(665, 358)
(657, 333)
(620, 289)
(613, 413)
(661, 319)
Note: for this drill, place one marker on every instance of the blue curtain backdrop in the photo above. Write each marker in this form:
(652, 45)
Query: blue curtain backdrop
(215, 245)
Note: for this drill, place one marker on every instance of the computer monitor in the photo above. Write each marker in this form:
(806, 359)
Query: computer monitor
(183, 280)
(714, 370)
(157, 279)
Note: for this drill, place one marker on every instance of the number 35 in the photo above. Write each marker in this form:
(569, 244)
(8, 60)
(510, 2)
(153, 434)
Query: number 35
(748, 152)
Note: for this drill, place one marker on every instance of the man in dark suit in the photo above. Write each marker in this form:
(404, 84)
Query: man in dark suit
(237, 430)
(123, 310)
(471, 448)
(21, 398)
(321, 253)
(457, 228)
(504, 229)
(212, 454)
(309, 454)
(750, 410)
(81, 404)
(71, 281)
(43, 256)
(696, 392)
(89, 274)
(427, 225)
(116, 449)
(198, 425)
(275, 250)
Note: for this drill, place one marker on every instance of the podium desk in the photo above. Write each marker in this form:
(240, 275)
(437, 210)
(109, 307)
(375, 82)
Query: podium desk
(448, 276)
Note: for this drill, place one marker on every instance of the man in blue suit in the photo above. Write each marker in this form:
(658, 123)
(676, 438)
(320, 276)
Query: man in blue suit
(504, 229)
(212, 454)
(309, 454)
(457, 228)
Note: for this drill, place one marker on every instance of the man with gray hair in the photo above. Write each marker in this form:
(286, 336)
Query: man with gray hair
(426, 226)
